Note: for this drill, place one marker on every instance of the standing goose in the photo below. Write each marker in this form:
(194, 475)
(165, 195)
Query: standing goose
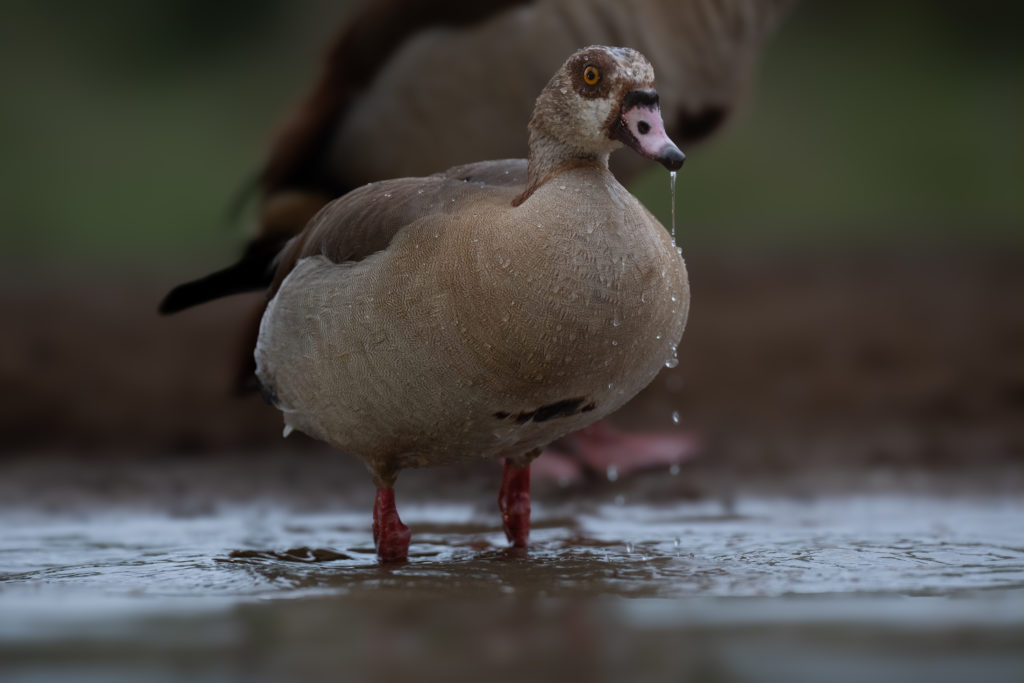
(485, 311)
(397, 96)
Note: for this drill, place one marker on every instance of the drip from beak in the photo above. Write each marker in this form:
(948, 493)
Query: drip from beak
(640, 126)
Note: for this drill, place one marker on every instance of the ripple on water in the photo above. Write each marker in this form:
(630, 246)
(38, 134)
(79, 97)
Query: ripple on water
(773, 547)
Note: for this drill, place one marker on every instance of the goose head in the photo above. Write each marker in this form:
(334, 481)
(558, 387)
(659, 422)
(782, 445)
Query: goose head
(603, 98)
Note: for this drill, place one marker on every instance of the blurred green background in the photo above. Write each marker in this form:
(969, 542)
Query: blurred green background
(128, 128)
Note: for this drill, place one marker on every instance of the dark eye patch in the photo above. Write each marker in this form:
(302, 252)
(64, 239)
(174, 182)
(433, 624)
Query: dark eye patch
(605, 67)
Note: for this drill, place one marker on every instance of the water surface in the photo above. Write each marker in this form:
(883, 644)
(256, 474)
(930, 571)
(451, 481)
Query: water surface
(883, 586)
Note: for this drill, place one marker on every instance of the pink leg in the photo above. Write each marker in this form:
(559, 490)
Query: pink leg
(600, 447)
(389, 534)
(514, 502)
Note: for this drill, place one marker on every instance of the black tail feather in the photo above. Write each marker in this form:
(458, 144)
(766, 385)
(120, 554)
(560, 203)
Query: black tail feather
(253, 272)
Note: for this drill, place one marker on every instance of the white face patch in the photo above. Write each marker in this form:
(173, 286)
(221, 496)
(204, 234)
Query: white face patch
(592, 114)
(648, 130)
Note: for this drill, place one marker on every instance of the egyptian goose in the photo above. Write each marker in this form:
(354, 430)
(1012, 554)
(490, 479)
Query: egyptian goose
(485, 311)
(398, 96)
(411, 88)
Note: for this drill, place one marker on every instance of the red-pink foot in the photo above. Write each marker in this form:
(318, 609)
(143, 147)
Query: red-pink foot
(608, 452)
(514, 502)
(389, 534)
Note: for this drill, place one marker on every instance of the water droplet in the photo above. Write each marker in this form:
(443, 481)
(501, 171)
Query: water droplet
(561, 187)
(629, 548)
(672, 187)
(611, 384)
(612, 472)
(674, 299)
(614, 342)
(671, 362)
(677, 543)
(288, 429)
(387, 195)
(675, 416)
(615, 320)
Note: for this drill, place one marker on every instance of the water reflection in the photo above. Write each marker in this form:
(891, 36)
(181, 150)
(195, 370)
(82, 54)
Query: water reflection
(843, 589)
(765, 548)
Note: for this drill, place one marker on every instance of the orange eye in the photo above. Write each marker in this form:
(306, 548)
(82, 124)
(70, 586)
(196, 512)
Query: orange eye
(591, 75)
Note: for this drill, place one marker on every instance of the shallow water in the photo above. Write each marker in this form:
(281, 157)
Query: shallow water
(924, 586)
(763, 547)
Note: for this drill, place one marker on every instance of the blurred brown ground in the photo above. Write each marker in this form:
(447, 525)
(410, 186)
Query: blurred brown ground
(791, 361)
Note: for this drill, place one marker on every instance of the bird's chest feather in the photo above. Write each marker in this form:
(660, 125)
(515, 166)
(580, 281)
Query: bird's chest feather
(578, 295)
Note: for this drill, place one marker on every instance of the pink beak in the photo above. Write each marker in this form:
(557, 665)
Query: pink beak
(640, 126)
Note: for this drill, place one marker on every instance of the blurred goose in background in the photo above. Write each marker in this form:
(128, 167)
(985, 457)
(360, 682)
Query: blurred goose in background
(410, 88)
(487, 310)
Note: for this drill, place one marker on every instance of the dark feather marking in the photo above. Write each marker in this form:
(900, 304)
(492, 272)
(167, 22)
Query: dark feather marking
(250, 273)
(268, 394)
(564, 408)
(640, 98)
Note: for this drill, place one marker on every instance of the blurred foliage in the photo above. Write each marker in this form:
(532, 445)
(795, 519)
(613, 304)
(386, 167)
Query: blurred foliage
(128, 128)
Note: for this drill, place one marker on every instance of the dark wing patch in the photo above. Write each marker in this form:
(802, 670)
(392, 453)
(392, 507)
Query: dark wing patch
(564, 408)
(253, 272)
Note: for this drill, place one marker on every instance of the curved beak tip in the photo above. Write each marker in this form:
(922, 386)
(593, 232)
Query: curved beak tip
(671, 157)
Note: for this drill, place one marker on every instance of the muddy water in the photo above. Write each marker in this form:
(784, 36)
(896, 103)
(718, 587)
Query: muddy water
(848, 586)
